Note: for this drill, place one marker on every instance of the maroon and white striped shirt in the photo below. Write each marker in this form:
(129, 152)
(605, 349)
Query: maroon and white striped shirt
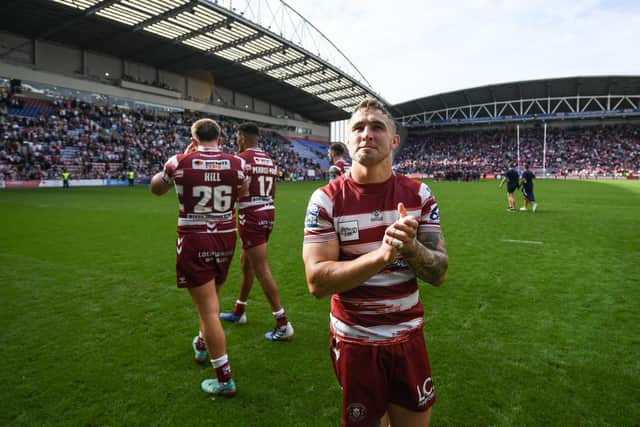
(207, 182)
(263, 172)
(386, 308)
(339, 168)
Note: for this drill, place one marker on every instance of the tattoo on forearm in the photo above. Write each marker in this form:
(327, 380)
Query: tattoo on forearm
(430, 260)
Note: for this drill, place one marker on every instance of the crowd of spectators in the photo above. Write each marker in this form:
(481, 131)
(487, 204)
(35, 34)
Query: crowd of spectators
(105, 141)
(102, 141)
(586, 151)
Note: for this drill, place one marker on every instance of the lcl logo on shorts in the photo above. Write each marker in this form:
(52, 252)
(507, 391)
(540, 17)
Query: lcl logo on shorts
(356, 412)
(426, 392)
(348, 231)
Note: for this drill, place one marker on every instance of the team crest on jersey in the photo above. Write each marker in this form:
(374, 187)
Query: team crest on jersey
(311, 220)
(356, 412)
(348, 231)
(211, 164)
(262, 161)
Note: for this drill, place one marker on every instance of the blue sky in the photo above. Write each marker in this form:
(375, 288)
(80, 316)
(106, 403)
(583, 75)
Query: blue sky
(408, 49)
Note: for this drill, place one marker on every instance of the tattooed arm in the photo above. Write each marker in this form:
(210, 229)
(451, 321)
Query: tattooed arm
(425, 252)
(429, 260)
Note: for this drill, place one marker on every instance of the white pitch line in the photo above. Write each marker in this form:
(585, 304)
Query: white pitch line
(530, 242)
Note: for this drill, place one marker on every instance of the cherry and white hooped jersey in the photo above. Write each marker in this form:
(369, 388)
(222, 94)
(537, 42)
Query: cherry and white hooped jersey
(207, 182)
(339, 168)
(386, 308)
(262, 172)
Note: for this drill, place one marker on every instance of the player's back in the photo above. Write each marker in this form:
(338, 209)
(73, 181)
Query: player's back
(512, 177)
(208, 183)
(263, 172)
(528, 177)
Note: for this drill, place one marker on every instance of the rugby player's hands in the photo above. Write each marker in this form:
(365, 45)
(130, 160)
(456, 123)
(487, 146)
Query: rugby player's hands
(401, 235)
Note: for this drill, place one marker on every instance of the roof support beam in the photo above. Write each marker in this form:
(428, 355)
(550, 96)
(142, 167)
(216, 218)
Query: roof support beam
(266, 69)
(301, 74)
(257, 55)
(281, 65)
(166, 15)
(237, 42)
(189, 35)
(200, 31)
(325, 91)
(319, 82)
(66, 24)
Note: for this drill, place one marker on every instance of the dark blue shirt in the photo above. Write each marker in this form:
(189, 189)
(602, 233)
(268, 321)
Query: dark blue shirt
(527, 178)
(512, 177)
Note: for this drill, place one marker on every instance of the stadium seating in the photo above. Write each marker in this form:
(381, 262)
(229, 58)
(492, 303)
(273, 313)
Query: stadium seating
(312, 150)
(31, 108)
(588, 151)
(40, 139)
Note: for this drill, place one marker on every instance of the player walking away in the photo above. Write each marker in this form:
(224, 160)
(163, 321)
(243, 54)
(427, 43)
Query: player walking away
(208, 183)
(340, 166)
(527, 189)
(65, 179)
(368, 235)
(512, 178)
(255, 222)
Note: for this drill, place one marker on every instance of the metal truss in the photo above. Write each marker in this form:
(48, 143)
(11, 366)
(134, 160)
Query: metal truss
(542, 109)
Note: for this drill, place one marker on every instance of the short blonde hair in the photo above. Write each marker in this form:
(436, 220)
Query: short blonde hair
(374, 104)
(205, 130)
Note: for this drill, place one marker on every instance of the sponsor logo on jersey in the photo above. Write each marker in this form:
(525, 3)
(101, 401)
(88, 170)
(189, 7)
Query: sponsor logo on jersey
(261, 199)
(222, 164)
(376, 216)
(263, 161)
(224, 216)
(348, 230)
(311, 220)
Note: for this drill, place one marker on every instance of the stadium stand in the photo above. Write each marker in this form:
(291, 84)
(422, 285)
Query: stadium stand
(313, 150)
(104, 141)
(587, 151)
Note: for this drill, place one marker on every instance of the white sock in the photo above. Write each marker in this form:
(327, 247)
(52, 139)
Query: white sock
(219, 361)
(241, 302)
(200, 335)
(278, 313)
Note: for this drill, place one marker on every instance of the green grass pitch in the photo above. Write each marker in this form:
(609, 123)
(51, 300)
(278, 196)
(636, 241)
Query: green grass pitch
(94, 332)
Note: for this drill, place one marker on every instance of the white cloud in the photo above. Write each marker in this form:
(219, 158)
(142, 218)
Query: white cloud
(409, 49)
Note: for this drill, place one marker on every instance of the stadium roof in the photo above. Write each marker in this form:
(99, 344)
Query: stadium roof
(532, 89)
(184, 35)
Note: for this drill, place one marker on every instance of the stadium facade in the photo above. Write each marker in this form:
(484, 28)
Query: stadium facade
(186, 54)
